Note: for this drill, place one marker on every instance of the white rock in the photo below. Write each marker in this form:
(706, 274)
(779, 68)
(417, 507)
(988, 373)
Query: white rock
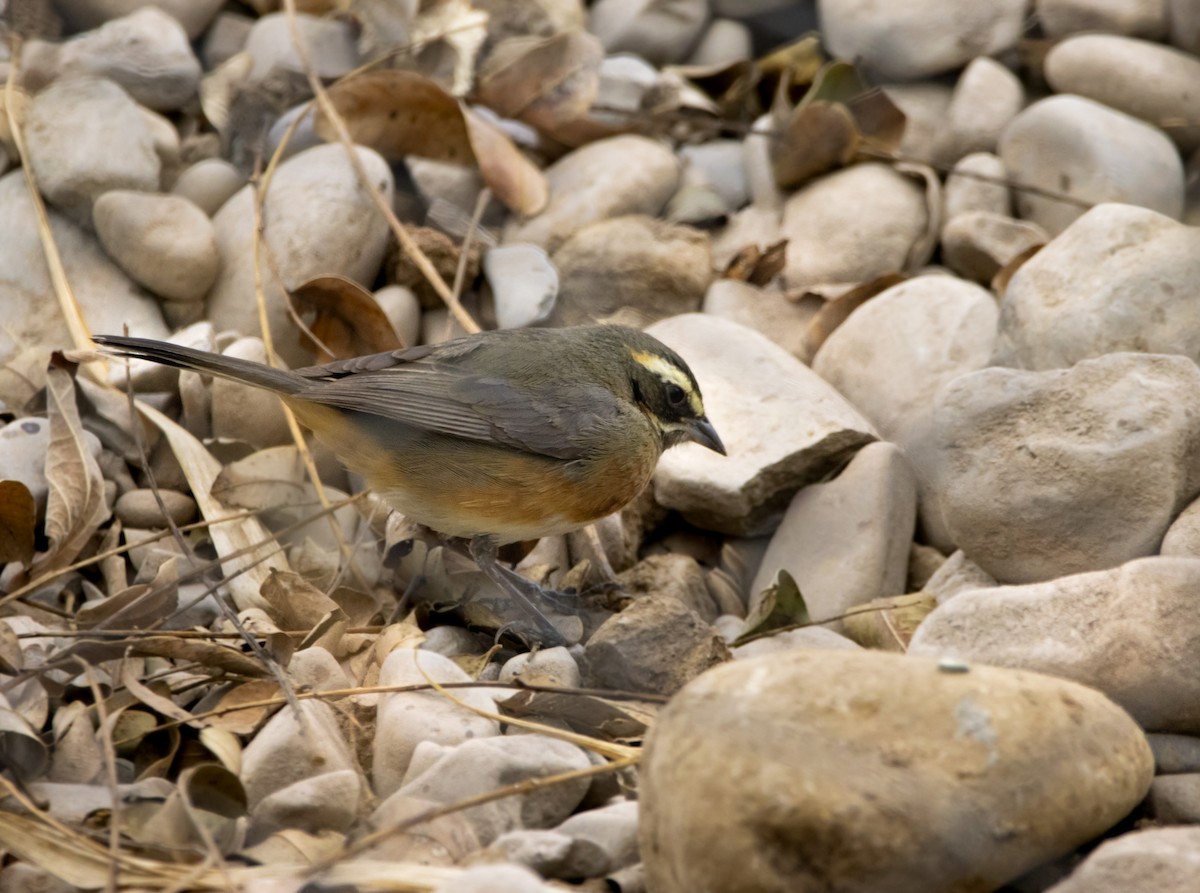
(330, 45)
(86, 137)
(721, 163)
(725, 41)
(1095, 461)
(770, 312)
(1182, 539)
(853, 225)
(602, 840)
(319, 221)
(406, 719)
(783, 427)
(608, 178)
(926, 105)
(225, 39)
(208, 184)
(1184, 22)
(986, 98)
(484, 764)
(1150, 82)
(540, 851)
(916, 39)
(495, 879)
(548, 666)
(958, 573)
(1170, 856)
(659, 33)
(23, 446)
(1135, 18)
(903, 768)
(805, 637)
(1140, 638)
(1110, 282)
(240, 412)
(892, 354)
(163, 242)
(323, 802)
(146, 52)
(33, 325)
(295, 744)
(403, 310)
(847, 541)
(524, 283)
(977, 183)
(82, 15)
(1078, 148)
(316, 669)
(977, 244)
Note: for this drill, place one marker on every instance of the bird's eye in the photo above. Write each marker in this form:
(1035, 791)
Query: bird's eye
(676, 395)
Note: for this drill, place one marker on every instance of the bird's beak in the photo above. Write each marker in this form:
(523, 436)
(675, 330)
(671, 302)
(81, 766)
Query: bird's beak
(701, 431)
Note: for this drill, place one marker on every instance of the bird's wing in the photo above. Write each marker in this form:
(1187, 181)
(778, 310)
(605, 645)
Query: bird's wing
(449, 399)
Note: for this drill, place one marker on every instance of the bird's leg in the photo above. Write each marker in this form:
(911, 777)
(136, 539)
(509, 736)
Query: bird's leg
(535, 627)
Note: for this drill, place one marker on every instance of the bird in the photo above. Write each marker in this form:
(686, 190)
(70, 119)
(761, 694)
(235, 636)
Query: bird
(493, 438)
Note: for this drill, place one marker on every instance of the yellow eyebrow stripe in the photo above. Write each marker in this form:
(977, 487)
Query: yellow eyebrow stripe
(669, 372)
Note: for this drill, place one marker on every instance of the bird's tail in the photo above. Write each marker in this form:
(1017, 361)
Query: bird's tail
(257, 374)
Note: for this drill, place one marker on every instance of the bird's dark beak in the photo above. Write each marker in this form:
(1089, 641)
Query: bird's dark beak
(701, 431)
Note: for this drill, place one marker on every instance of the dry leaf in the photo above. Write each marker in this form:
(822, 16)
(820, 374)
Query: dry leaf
(1005, 274)
(401, 113)
(545, 82)
(757, 266)
(889, 623)
(251, 719)
(297, 604)
(22, 750)
(229, 535)
(349, 323)
(76, 507)
(18, 520)
(620, 721)
(781, 604)
(921, 251)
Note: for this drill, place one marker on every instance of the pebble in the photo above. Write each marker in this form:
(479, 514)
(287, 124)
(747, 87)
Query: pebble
(770, 312)
(917, 39)
(1165, 857)
(725, 42)
(1095, 460)
(660, 35)
(1151, 82)
(793, 639)
(891, 355)
(540, 851)
(32, 324)
(449, 774)
(847, 541)
(1089, 153)
(925, 105)
(406, 719)
(140, 508)
(1137, 623)
(23, 446)
(194, 15)
(146, 52)
(853, 225)
(721, 163)
(977, 183)
(403, 310)
(958, 573)
(1175, 754)
(296, 744)
(241, 412)
(314, 668)
(603, 840)
(494, 879)
(635, 270)
(654, 645)
(1110, 282)
(330, 44)
(674, 576)
(874, 771)
(1133, 18)
(163, 242)
(608, 178)
(1184, 24)
(524, 283)
(328, 801)
(86, 136)
(783, 427)
(1175, 799)
(548, 666)
(320, 222)
(208, 184)
(976, 245)
(986, 98)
